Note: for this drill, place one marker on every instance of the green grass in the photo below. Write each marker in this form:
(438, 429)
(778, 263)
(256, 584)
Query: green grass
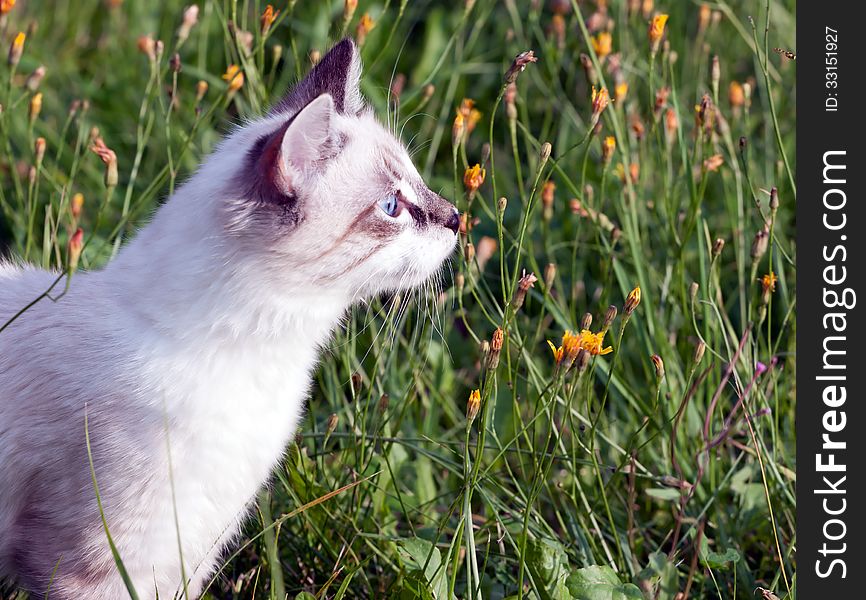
(664, 481)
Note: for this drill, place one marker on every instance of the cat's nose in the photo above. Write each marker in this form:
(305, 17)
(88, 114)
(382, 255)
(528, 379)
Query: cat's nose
(453, 222)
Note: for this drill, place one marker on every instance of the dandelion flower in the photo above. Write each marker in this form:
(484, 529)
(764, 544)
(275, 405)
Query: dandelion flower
(768, 282)
(603, 44)
(267, 19)
(473, 404)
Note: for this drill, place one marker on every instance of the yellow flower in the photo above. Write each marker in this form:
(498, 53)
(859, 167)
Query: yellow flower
(657, 30)
(620, 91)
(603, 44)
(558, 353)
(473, 178)
(235, 77)
(593, 342)
(768, 282)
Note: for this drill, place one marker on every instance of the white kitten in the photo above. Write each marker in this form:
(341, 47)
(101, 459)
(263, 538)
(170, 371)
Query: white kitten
(206, 327)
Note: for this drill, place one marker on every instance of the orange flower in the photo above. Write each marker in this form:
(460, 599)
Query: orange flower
(620, 91)
(6, 6)
(768, 282)
(473, 177)
(268, 17)
(235, 77)
(736, 95)
(602, 44)
(657, 30)
(76, 205)
(365, 26)
(594, 342)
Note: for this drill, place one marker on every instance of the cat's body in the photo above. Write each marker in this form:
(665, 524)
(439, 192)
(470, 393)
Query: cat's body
(200, 337)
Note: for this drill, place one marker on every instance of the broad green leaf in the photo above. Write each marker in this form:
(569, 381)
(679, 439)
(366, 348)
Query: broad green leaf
(600, 583)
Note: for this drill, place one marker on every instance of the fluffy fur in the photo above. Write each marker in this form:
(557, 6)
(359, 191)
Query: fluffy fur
(191, 353)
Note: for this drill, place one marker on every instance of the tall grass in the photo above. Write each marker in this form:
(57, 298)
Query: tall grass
(661, 468)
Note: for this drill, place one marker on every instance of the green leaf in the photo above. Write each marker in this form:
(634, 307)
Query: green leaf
(548, 565)
(600, 583)
(305, 596)
(425, 563)
(720, 560)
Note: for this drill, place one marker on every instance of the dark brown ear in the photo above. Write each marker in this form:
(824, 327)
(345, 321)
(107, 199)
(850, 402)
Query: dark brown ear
(338, 74)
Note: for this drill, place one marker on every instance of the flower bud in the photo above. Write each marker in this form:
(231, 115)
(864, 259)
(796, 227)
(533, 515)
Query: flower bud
(582, 360)
(632, 301)
(35, 107)
(693, 291)
(332, 424)
(74, 248)
(699, 352)
(384, 400)
(503, 203)
(760, 243)
(586, 321)
(16, 49)
(659, 365)
(76, 205)
(524, 284)
(39, 150)
(549, 275)
(35, 78)
(609, 316)
(473, 405)
(774, 199)
(546, 148)
(718, 246)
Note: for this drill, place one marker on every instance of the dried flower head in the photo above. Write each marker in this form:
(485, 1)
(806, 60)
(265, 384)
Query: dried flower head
(519, 64)
(699, 352)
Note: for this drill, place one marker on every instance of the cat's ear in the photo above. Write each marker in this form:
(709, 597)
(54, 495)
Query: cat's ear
(337, 74)
(277, 163)
(307, 139)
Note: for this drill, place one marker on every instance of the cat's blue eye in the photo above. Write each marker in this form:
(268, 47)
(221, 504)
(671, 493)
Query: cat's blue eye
(390, 204)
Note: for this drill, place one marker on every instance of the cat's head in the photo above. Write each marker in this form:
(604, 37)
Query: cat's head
(326, 194)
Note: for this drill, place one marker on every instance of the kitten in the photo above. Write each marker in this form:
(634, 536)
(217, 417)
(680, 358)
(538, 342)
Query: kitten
(205, 329)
